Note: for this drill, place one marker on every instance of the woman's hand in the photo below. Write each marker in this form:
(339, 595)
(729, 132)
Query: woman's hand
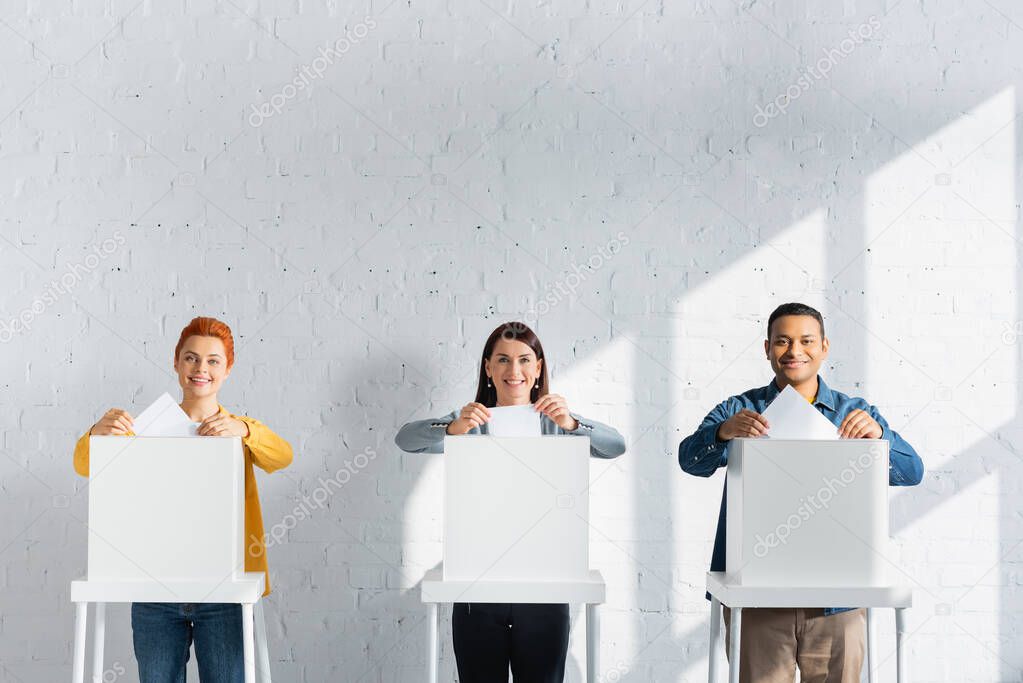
(555, 407)
(472, 415)
(222, 424)
(115, 422)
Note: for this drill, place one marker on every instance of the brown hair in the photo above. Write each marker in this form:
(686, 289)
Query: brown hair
(513, 331)
(208, 327)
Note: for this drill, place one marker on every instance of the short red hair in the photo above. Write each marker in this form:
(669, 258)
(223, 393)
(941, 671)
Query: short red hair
(208, 327)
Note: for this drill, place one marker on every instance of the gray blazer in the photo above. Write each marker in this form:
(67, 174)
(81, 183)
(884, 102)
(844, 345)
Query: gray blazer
(427, 436)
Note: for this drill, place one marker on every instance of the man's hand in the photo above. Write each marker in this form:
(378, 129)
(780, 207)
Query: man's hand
(744, 424)
(222, 424)
(859, 425)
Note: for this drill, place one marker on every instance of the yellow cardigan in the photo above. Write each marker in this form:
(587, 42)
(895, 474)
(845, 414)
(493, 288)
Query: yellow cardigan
(261, 447)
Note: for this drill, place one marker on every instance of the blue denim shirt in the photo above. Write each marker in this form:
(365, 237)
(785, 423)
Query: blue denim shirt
(701, 453)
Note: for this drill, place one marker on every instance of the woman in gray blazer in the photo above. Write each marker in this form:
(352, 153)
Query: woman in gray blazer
(532, 639)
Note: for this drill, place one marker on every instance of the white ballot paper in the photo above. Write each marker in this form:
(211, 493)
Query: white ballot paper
(791, 416)
(514, 421)
(164, 417)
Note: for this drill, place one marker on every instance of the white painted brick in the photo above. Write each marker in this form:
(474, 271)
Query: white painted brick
(666, 103)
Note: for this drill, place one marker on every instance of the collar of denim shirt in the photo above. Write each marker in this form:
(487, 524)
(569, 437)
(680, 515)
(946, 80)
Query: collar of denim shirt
(825, 395)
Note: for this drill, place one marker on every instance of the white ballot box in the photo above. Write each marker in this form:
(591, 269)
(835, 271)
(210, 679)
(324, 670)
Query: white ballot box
(807, 513)
(516, 508)
(169, 509)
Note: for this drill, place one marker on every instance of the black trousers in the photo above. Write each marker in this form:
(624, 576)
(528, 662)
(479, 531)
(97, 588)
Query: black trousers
(490, 637)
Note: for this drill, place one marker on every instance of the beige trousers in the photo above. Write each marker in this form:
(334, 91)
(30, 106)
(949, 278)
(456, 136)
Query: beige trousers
(775, 641)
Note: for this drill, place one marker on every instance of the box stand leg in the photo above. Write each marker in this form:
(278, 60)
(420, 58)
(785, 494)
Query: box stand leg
(247, 643)
(98, 640)
(900, 645)
(81, 618)
(262, 649)
(715, 640)
(592, 643)
(733, 646)
(432, 645)
(871, 646)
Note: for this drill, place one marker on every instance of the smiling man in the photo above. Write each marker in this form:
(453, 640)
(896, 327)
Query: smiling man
(827, 644)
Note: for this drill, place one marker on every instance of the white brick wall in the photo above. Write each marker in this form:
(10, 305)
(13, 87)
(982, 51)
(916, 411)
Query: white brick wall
(444, 174)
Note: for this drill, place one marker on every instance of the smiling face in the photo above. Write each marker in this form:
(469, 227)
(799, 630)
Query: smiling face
(201, 366)
(796, 349)
(513, 368)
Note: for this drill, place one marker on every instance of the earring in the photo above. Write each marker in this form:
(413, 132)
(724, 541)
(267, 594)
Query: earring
(488, 382)
(537, 385)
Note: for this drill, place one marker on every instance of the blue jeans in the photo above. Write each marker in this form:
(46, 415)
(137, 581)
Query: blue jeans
(163, 631)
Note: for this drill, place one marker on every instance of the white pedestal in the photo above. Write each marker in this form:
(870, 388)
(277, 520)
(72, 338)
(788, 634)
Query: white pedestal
(167, 524)
(725, 591)
(246, 591)
(435, 589)
(516, 529)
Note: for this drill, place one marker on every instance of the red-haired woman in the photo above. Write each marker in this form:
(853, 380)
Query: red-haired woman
(490, 638)
(162, 632)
